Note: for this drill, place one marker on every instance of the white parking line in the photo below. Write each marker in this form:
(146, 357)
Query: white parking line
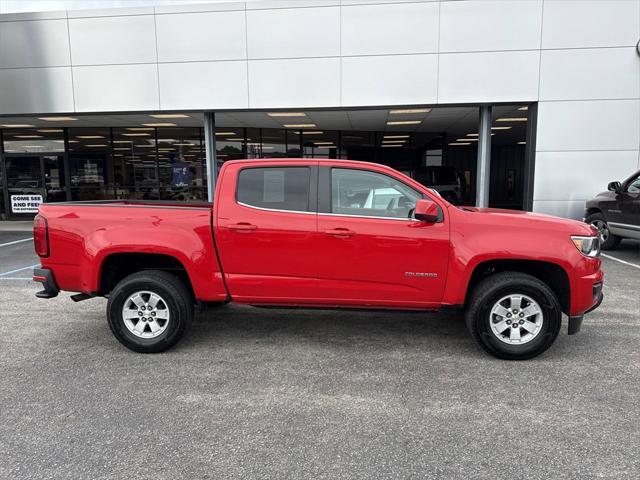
(16, 241)
(15, 278)
(619, 260)
(4, 274)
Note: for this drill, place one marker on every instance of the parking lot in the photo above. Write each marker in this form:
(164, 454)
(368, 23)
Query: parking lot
(263, 393)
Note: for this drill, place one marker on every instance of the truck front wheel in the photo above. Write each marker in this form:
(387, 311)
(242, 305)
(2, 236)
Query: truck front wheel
(149, 311)
(513, 315)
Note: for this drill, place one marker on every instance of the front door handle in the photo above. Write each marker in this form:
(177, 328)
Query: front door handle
(339, 232)
(242, 227)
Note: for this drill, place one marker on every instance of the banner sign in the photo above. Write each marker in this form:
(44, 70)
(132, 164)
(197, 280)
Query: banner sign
(25, 203)
(181, 175)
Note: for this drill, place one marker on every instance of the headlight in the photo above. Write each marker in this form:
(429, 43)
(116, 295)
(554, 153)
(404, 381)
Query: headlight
(589, 246)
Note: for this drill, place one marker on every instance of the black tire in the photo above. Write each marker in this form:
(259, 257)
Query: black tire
(489, 291)
(598, 221)
(178, 300)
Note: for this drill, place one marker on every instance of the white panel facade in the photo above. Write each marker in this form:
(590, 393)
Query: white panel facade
(488, 77)
(292, 33)
(36, 90)
(113, 40)
(595, 73)
(309, 82)
(590, 23)
(477, 25)
(203, 85)
(201, 36)
(390, 28)
(589, 125)
(389, 80)
(576, 57)
(566, 208)
(114, 88)
(40, 43)
(563, 176)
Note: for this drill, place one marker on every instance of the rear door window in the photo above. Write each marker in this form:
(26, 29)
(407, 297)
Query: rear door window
(275, 188)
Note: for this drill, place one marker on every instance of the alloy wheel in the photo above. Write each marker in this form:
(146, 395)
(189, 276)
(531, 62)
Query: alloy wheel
(516, 319)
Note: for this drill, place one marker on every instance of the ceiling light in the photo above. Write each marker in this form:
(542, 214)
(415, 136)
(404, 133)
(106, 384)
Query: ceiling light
(512, 119)
(144, 145)
(287, 114)
(96, 146)
(16, 125)
(409, 111)
(472, 134)
(226, 133)
(323, 143)
(300, 125)
(325, 146)
(28, 136)
(121, 148)
(396, 136)
(313, 132)
(467, 140)
(32, 146)
(122, 141)
(186, 144)
(160, 124)
(73, 141)
(459, 143)
(57, 119)
(522, 143)
(140, 129)
(501, 128)
(135, 134)
(236, 139)
(169, 115)
(50, 130)
(88, 137)
(405, 122)
(392, 145)
(524, 109)
(393, 141)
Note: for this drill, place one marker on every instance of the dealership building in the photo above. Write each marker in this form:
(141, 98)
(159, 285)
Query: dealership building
(530, 104)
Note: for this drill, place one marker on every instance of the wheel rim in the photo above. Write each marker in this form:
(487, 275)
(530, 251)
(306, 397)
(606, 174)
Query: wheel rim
(516, 319)
(145, 314)
(602, 228)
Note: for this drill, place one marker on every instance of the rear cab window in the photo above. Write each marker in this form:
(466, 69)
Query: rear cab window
(275, 188)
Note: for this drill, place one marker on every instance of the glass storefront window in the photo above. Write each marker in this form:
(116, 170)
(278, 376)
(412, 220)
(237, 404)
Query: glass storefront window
(89, 158)
(230, 144)
(135, 168)
(273, 143)
(33, 140)
(358, 146)
(181, 164)
(320, 144)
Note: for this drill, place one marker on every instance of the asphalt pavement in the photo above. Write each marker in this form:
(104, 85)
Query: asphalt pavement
(256, 393)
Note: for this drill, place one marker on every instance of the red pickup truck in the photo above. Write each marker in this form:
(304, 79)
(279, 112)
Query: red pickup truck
(321, 234)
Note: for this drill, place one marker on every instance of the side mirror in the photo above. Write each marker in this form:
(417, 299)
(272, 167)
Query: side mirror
(614, 187)
(426, 211)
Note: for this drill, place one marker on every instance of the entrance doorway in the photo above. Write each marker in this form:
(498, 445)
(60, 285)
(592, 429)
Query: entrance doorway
(32, 179)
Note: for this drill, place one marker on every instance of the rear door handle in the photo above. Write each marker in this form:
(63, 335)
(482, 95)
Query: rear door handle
(339, 232)
(242, 227)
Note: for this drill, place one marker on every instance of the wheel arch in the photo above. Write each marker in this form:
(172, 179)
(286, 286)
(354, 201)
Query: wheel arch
(117, 266)
(552, 274)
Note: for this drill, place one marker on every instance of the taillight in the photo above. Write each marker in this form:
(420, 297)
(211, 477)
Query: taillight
(41, 236)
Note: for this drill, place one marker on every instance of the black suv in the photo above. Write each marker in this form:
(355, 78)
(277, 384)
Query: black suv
(616, 213)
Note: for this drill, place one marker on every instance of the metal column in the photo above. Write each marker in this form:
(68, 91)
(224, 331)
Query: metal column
(484, 157)
(210, 151)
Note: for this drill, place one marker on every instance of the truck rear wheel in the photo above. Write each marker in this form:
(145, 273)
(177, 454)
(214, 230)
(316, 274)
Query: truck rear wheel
(149, 311)
(513, 316)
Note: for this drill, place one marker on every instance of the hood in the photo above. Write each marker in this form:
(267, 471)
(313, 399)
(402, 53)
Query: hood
(530, 220)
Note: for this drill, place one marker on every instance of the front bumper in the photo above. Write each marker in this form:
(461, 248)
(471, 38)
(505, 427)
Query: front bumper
(45, 277)
(575, 322)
